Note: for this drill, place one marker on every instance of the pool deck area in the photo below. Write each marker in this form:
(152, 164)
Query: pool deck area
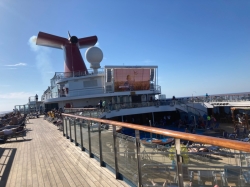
(46, 158)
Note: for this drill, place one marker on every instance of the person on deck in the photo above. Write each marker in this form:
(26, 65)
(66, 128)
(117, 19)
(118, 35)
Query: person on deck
(208, 121)
(10, 131)
(103, 105)
(100, 105)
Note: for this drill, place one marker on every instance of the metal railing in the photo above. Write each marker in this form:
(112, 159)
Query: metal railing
(219, 98)
(152, 162)
(126, 105)
(62, 75)
(82, 92)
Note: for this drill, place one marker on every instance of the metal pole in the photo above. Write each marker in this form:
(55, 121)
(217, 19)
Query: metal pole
(90, 154)
(117, 175)
(100, 144)
(153, 118)
(150, 132)
(195, 122)
(64, 122)
(70, 131)
(138, 153)
(83, 149)
(179, 162)
(67, 136)
(76, 144)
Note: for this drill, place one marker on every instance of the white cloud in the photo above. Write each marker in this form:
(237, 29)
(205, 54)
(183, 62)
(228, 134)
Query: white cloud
(32, 43)
(43, 61)
(19, 64)
(16, 95)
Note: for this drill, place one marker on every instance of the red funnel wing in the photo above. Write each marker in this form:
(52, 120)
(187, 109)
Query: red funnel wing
(50, 40)
(73, 60)
(87, 42)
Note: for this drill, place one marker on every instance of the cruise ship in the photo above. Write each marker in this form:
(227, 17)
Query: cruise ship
(118, 90)
(125, 93)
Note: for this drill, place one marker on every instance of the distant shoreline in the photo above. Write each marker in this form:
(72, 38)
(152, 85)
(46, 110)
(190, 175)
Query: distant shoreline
(2, 113)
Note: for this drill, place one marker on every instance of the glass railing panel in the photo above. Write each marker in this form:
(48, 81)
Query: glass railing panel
(72, 129)
(68, 128)
(210, 165)
(85, 134)
(94, 114)
(86, 113)
(108, 145)
(245, 159)
(127, 159)
(158, 162)
(94, 136)
(78, 132)
(64, 126)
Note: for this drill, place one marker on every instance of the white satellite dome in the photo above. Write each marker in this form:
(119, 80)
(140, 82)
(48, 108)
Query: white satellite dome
(94, 56)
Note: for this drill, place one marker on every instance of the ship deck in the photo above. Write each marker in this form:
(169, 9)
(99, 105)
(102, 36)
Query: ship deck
(46, 158)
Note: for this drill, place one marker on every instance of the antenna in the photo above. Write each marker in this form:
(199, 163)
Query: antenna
(69, 34)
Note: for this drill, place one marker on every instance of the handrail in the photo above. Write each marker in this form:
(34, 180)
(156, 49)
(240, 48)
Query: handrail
(196, 109)
(231, 144)
(80, 108)
(127, 105)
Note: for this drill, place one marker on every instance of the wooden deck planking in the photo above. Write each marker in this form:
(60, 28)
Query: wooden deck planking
(46, 158)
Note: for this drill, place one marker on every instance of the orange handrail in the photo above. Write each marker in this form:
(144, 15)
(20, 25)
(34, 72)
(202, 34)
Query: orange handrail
(231, 144)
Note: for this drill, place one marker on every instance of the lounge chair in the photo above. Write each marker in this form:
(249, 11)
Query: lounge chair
(19, 132)
(206, 175)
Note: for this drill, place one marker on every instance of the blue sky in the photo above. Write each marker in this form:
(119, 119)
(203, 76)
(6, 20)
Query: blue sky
(199, 46)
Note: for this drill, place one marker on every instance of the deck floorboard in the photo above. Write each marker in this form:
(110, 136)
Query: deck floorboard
(46, 158)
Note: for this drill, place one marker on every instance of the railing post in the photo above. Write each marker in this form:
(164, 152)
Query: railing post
(82, 148)
(117, 175)
(64, 123)
(150, 132)
(70, 132)
(100, 144)
(90, 151)
(67, 121)
(179, 162)
(138, 153)
(76, 144)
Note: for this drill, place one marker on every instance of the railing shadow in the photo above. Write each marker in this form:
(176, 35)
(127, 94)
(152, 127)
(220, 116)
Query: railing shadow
(6, 161)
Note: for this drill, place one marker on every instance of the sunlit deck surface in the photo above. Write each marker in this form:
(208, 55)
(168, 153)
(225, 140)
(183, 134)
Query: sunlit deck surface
(46, 158)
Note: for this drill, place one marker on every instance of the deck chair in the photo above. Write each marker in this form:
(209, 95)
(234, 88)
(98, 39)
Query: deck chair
(231, 174)
(206, 175)
(19, 133)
